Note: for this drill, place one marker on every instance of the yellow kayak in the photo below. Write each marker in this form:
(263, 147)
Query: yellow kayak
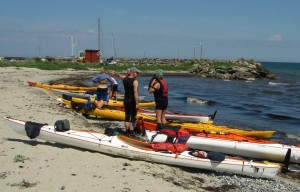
(212, 127)
(114, 103)
(106, 113)
(61, 86)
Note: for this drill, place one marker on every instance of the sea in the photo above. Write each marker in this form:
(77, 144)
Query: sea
(255, 105)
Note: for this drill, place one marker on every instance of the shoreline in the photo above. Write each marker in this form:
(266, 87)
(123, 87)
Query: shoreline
(53, 167)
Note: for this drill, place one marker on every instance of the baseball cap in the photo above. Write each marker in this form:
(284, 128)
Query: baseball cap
(159, 73)
(134, 69)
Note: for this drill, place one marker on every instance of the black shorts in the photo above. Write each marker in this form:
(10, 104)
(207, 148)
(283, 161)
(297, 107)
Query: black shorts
(130, 110)
(161, 103)
(114, 87)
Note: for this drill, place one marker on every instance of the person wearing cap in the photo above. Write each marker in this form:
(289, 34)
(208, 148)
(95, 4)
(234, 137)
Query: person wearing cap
(131, 101)
(102, 90)
(159, 87)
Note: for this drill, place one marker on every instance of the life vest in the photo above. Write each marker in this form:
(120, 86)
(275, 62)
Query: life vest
(163, 90)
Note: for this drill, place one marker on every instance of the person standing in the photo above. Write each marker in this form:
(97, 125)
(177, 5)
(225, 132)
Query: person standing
(102, 90)
(159, 87)
(114, 88)
(131, 101)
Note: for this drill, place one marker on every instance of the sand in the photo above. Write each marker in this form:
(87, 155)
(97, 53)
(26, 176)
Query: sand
(36, 165)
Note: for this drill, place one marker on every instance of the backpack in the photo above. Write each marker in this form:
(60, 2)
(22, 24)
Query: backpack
(33, 129)
(88, 106)
(62, 125)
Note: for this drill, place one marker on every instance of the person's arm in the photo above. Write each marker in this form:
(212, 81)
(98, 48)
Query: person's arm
(136, 93)
(119, 75)
(95, 78)
(150, 82)
(153, 87)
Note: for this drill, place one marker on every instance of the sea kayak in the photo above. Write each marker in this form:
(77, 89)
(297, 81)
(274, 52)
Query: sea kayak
(179, 116)
(112, 103)
(85, 94)
(103, 113)
(61, 86)
(233, 144)
(209, 126)
(125, 147)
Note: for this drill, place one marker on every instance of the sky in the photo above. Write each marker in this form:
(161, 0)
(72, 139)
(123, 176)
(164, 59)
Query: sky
(210, 29)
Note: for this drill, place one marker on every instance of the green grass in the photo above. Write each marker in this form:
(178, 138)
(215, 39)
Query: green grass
(178, 67)
(62, 65)
(3, 175)
(20, 158)
(79, 66)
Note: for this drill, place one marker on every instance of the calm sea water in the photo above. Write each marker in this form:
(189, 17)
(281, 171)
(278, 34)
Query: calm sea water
(263, 105)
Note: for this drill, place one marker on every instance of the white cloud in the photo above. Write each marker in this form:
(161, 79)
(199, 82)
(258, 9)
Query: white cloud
(275, 38)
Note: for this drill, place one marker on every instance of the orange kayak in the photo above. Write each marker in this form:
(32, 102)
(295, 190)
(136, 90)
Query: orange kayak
(210, 127)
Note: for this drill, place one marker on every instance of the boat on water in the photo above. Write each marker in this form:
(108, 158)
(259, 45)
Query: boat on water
(126, 147)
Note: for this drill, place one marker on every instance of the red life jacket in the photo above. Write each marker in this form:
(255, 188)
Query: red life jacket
(163, 90)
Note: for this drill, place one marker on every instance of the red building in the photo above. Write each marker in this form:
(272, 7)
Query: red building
(92, 56)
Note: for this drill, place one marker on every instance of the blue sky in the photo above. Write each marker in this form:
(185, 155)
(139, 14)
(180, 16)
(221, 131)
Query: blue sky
(232, 29)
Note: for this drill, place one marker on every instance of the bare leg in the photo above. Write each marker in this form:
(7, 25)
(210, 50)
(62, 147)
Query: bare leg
(99, 104)
(163, 117)
(158, 115)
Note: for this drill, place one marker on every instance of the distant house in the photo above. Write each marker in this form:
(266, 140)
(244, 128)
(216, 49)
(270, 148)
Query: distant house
(92, 56)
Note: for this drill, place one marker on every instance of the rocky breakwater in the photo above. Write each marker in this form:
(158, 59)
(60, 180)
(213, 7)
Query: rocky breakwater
(240, 69)
(231, 70)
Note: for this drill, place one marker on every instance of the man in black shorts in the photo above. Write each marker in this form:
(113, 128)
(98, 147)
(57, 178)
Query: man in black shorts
(131, 102)
(159, 87)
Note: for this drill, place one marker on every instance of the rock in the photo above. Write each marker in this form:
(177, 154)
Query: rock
(240, 69)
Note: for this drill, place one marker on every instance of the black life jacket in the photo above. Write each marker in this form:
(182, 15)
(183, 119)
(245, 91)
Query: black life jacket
(163, 90)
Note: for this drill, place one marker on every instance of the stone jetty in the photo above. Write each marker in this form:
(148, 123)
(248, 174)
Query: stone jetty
(240, 69)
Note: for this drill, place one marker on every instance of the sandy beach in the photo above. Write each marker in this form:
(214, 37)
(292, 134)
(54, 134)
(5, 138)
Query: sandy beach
(36, 165)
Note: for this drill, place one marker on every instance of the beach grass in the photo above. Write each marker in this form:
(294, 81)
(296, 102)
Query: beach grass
(62, 65)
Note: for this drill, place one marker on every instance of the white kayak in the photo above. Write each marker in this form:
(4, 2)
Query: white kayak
(180, 116)
(126, 147)
(244, 146)
(268, 151)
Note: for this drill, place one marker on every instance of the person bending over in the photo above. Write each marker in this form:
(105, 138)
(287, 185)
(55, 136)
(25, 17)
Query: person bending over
(102, 90)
